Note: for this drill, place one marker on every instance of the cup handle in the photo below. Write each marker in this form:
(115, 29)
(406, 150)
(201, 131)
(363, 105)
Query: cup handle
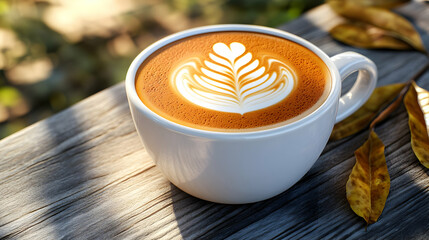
(347, 63)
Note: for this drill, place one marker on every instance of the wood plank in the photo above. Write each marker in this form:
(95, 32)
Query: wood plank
(83, 173)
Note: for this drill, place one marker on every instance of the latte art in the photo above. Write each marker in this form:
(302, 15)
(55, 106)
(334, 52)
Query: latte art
(234, 80)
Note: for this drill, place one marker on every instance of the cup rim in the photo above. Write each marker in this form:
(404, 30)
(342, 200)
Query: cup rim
(137, 103)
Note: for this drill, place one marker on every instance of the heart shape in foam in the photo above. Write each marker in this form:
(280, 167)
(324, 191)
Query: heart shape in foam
(233, 80)
(232, 52)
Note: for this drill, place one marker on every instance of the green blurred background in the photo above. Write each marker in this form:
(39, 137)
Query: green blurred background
(54, 53)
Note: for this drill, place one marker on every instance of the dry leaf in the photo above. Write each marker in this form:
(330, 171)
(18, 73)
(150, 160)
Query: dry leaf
(366, 36)
(363, 116)
(382, 18)
(417, 103)
(369, 182)
(378, 3)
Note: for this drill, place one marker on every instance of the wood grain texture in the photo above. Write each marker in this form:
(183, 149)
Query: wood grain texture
(84, 174)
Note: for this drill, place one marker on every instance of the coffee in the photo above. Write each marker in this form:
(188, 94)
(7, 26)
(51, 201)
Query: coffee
(233, 81)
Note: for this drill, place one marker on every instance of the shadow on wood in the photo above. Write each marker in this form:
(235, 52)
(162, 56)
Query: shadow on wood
(71, 197)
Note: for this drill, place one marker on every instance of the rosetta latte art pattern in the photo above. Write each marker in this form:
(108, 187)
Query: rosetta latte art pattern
(233, 80)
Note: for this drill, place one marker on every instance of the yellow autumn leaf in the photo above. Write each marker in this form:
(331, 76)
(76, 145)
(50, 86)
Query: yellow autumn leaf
(417, 103)
(378, 3)
(368, 185)
(382, 18)
(366, 36)
(363, 116)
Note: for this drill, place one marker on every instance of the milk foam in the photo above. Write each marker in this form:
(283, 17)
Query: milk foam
(233, 80)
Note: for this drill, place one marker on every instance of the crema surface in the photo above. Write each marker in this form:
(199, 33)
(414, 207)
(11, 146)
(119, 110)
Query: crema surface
(233, 81)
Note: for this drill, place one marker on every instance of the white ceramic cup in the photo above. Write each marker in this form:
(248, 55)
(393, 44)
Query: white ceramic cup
(244, 167)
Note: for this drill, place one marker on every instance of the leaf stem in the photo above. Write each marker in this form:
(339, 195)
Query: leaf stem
(395, 104)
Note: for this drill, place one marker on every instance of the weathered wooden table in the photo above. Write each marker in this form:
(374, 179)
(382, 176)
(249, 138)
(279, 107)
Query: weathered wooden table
(83, 173)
